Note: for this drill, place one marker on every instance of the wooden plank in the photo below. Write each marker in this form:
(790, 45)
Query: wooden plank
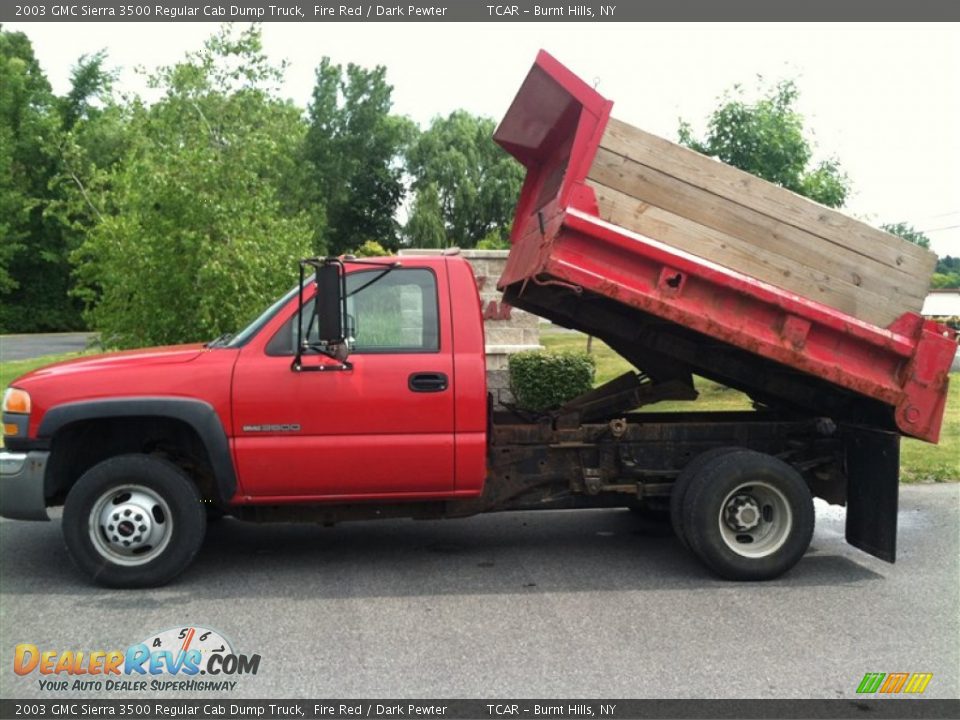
(904, 292)
(744, 257)
(764, 197)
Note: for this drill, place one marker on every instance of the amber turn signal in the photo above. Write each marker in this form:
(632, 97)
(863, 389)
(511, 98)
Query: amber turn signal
(16, 401)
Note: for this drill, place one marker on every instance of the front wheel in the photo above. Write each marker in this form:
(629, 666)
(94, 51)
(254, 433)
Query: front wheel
(748, 516)
(133, 521)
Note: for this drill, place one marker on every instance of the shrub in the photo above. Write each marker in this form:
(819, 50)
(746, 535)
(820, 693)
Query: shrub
(496, 239)
(371, 248)
(541, 380)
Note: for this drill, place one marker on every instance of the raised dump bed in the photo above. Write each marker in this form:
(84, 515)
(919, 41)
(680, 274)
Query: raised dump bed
(686, 265)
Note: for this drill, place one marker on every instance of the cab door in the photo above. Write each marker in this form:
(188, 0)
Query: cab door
(384, 428)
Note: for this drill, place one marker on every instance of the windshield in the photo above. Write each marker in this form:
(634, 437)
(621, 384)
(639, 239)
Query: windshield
(242, 337)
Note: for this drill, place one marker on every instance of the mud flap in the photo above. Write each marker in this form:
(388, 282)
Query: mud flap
(873, 487)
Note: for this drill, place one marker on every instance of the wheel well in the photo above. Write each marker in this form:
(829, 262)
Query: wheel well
(80, 445)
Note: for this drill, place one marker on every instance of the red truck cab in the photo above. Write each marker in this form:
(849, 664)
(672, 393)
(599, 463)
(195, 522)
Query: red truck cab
(404, 419)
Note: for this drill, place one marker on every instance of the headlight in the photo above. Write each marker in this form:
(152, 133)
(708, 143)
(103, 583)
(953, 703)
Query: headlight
(16, 401)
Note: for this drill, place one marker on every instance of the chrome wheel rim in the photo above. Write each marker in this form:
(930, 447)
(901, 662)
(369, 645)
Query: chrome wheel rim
(755, 519)
(130, 525)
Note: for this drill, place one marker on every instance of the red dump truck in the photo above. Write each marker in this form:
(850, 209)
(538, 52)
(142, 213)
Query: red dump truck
(361, 394)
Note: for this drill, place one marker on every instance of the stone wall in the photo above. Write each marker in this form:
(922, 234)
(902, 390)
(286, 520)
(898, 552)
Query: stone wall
(507, 329)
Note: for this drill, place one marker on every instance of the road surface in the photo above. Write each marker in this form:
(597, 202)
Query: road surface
(24, 347)
(542, 605)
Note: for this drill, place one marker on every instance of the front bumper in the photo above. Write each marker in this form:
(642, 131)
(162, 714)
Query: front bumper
(22, 485)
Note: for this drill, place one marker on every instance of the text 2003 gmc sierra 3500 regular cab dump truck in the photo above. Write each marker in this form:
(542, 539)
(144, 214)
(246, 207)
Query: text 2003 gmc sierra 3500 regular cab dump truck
(373, 404)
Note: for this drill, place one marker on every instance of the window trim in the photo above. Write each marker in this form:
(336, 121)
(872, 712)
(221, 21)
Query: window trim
(374, 351)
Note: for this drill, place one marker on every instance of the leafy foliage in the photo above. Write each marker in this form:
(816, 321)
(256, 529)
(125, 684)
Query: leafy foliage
(542, 380)
(34, 273)
(425, 228)
(767, 138)
(477, 183)
(371, 248)
(495, 240)
(353, 151)
(907, 232)
(947, 273)
(191, 236)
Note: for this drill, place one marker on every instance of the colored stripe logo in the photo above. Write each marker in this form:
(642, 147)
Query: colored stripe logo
(890, 683)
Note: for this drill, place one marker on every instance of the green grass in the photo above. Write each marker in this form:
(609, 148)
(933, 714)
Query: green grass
(611, 365)
(919, 461)
(923, 462)
(10, 370)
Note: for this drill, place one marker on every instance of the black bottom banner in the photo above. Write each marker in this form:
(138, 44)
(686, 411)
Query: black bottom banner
(457, 709)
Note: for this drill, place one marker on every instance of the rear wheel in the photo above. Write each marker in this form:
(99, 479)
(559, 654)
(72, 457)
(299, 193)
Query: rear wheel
(133, 521)
(748, 516)
(682, 483)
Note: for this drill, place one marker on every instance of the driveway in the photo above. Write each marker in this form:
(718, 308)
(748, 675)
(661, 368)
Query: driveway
(562, 604)
(24, 347)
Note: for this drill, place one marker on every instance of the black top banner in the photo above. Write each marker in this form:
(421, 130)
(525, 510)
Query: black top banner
(478, 11)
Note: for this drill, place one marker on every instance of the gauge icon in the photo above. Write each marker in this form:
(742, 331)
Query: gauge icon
(183, 639)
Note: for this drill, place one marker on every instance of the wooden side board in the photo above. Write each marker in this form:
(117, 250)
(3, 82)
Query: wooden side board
(656, 188)
(741, 255)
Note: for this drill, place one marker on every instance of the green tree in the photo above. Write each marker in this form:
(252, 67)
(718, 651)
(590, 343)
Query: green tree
(768, 139)
(947, 273)
(907, 232)
(948, 264)
(191, 237)
(477, 182)
(90, 85)
(353, 152)
(425, 228)
(34, 276)
(39, 135)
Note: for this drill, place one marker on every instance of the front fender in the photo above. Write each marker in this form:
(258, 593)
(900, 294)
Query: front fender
(198, 414)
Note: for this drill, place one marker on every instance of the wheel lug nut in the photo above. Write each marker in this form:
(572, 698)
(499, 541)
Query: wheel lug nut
(126, 513)
(138, 517)
(110, 528)
(126, 543)
(116, 516)
(142, 528)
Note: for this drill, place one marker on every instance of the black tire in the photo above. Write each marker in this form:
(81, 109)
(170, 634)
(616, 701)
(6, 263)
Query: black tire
(682, 483)
(177, 519)
(774, 496)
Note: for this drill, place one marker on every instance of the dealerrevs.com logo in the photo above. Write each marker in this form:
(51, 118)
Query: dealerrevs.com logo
(186, 658)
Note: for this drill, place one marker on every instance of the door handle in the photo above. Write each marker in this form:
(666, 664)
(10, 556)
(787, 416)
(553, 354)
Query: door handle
(427, 382)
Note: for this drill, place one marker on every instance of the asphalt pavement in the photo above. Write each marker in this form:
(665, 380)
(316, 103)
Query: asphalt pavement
(24, 347)
(562, 604)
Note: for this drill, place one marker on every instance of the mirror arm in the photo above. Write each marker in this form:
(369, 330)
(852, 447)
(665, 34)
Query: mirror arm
(298, 357)
(297, 364)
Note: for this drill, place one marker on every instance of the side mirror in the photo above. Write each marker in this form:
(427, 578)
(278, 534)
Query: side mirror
(330, 304)
(330, 308)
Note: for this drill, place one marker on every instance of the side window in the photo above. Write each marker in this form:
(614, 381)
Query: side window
(396, 313)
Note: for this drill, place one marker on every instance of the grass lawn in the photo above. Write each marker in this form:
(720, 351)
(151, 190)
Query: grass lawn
(919, 461)
(15, 368)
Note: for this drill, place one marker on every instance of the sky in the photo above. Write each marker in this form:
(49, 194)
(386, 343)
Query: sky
(882, 98)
